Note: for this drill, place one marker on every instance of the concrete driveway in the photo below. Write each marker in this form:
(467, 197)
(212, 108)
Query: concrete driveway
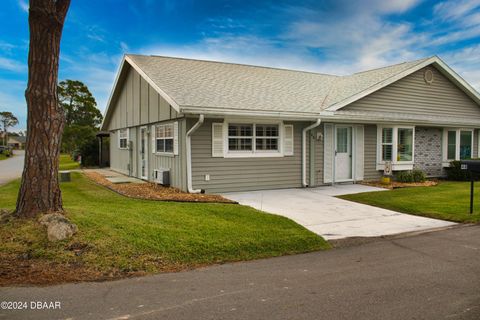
(318, 210)
(12, 168)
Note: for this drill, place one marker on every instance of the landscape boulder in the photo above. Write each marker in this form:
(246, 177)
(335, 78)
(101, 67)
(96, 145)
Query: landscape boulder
(58, 226)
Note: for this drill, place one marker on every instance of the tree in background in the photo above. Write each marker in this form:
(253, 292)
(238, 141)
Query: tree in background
(82, 119)
(79, 104)
(7, 119)
(40, 190)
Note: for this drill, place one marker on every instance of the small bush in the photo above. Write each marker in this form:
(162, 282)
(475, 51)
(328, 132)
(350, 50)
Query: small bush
(419, 176)
(410, 176)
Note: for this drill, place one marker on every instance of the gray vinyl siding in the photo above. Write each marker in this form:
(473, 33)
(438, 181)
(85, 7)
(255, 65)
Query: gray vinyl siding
(175, 163)
(475, 144)
(243, 174)
(412, 95)
(119, 158)
(319, 154)
(370, 153)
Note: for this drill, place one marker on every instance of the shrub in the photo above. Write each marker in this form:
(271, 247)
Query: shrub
(410, 176)
(419, 176)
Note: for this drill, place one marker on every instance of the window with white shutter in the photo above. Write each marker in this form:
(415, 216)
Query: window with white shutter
(288, 140)
(217, 139)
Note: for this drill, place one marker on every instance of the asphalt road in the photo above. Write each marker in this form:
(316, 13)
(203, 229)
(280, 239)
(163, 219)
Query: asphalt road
(427, 276)
(12, 168)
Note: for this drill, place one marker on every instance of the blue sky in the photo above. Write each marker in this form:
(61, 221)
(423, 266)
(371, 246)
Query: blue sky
(337, 37)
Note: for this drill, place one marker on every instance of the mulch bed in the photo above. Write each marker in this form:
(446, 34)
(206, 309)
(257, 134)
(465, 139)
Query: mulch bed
(397, 185)
(16, 270)
(151, 191)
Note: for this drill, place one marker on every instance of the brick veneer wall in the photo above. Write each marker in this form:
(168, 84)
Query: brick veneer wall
(428, 151)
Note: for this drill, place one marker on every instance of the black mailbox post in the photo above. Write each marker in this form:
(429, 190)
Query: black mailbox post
(474, 167)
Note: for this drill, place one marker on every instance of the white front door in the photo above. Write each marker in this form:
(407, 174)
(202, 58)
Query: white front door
(143, 153)
(343, 153)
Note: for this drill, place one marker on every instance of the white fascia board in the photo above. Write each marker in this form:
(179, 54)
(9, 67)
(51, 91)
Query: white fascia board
(444, 69)
(162, 93)
(117, 77)
(371, 119)
(219, 112)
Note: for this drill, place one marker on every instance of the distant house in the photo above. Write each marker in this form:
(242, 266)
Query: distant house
(219, 127)
(16, 142)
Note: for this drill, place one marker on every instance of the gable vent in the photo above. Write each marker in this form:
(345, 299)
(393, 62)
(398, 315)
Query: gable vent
(428, 76)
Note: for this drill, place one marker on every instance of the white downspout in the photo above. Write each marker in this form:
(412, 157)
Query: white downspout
(189, 155)
(304, 151)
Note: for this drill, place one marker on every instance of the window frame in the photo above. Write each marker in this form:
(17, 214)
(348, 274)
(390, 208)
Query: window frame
(120, 138)
(458, 131)
(165, 138)
(254, 153)
(397, 165)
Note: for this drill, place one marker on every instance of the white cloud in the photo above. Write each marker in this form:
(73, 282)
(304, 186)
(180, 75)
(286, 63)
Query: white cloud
(12, 65)
(13, 100)
(23, 5)
(455, 9)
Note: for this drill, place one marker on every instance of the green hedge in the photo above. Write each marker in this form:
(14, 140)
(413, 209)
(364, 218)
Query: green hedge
(410, 176)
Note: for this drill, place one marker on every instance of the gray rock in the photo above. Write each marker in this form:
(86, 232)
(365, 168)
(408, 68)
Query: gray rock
(58, 226)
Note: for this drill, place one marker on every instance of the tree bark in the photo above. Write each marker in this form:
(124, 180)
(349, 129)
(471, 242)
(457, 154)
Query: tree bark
(40, 191)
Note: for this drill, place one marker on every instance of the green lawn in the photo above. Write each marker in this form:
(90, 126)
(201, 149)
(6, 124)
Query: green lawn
(3, 157)
(66, 163)
(447, 200)
(139, 235)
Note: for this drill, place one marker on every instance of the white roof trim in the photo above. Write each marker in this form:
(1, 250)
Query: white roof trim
(452, 75)
(144, 76)
(120, 68)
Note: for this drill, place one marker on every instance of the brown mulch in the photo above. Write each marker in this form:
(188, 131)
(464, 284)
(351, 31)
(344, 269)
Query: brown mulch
(18, 270)
(151, 191)
(397, 185)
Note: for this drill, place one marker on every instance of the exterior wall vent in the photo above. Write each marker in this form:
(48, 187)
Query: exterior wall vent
(428, 76)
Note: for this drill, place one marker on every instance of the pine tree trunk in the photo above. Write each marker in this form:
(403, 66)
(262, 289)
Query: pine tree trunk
(40, 191)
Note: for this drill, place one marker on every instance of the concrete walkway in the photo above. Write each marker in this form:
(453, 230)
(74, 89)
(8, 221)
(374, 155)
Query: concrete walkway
(318, 210)
(12, 168)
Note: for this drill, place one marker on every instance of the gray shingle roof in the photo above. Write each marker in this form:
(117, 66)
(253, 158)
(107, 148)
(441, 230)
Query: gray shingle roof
(208, 84)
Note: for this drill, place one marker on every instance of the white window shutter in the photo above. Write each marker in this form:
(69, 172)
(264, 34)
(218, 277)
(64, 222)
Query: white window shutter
(328, 154)
(154, 143)
(217, 139)
(288, 140)
(118, 138)
(359, 152)
(175, 138)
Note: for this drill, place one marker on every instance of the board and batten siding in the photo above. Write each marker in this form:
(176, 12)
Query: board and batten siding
(412, 95)
(138, 105)
(243, 174)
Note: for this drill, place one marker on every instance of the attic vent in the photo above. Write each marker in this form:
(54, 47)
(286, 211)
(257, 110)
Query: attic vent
(428, 76)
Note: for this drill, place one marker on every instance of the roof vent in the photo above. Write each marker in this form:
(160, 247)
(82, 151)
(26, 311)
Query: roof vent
(428, 76)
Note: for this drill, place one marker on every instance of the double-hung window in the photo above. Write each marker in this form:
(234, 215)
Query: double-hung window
(396, 144)
(123, 138)
(164, 138)
(457, 145)
(253, 138)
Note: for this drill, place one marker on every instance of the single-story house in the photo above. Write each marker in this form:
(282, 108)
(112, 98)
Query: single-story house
(220, 127)
(16, 142)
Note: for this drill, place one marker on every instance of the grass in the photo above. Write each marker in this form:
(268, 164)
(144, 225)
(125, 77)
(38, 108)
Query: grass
(66, 163)
(3, 157)
(151, 236)
(448, 201)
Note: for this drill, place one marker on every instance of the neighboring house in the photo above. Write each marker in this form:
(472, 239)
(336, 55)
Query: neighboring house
(16, 142)
(222, 127)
